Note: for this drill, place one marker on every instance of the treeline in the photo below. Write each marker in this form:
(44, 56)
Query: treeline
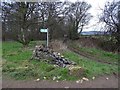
(22, 21)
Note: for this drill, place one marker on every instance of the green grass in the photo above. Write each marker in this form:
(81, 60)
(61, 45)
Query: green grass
(98, 53)
(16, 64)
(93, 68)
(15, 57)
(109, 56)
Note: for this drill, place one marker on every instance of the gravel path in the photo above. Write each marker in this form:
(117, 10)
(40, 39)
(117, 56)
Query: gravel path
(100, 82)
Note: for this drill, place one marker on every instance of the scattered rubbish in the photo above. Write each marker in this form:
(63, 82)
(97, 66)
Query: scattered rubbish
(57, 81)
(107, 78)
(74, 67)
(55, 65)
(64, 80)
(44, 77)
(58, 54)
(21, 67)
(37, 80)
(66, 87)
(62, 56)
(86, 79)
(58, 77)
(93, 78)
(78, 81)
(81, 81)
(54, 78)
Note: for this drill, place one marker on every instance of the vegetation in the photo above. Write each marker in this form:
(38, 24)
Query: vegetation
(96, 52)
(93, 68)
(111, 18)
(23, 20)
(17, 64)
(65, 21)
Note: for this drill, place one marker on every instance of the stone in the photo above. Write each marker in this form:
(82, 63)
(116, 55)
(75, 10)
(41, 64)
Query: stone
(44, 53)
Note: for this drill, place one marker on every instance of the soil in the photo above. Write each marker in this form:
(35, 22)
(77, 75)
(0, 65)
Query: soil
(100, 82)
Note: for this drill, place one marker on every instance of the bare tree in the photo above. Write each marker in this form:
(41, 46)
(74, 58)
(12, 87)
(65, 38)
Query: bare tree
(78, 17)
(20, 15)
(52, 14)
(25, 18)
(111, 17)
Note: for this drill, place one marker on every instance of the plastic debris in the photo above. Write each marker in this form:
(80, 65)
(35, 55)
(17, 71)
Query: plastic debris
(44, 77)
(107, 78)
(78, 81)
(58, 77)
(93, 78)
(57, 81)
(37, 80)
(54, 78)
(86, 79)
(81, 81)
(66, 87)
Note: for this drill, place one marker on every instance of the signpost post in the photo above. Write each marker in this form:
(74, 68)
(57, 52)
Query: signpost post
(45, 31)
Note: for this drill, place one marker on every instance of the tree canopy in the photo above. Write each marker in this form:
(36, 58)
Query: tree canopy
(22, 20)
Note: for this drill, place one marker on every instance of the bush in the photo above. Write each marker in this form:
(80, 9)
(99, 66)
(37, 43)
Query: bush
(108, 46)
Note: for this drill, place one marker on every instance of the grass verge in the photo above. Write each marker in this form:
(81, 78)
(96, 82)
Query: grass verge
(16, 64)
(97, 53)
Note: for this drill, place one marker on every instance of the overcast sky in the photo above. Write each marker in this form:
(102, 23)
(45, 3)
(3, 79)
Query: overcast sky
(95, 10)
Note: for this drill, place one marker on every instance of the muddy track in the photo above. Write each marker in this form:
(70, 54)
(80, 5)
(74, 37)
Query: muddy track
(87, 55)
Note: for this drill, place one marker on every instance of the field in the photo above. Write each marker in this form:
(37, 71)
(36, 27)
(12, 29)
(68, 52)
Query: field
(17, 63)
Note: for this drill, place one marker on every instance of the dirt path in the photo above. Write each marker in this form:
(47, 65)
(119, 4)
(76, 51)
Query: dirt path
(87, 55)
(100, 82)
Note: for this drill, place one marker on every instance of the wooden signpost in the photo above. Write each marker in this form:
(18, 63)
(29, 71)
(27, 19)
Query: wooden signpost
(45, 31)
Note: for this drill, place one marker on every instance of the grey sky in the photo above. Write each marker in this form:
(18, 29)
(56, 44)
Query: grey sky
(95, 11)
